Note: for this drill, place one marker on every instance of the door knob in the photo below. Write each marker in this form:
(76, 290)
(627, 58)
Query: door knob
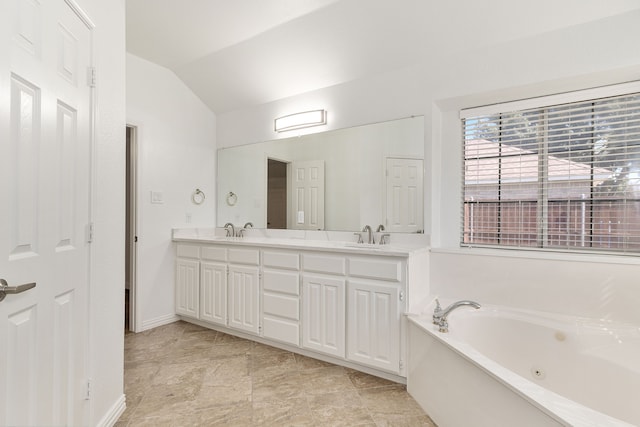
(6, 289)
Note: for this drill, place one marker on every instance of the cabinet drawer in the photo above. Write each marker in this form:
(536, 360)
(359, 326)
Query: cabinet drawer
(286, 282)
(277, 259)
(281, 306)
(244, 256)
(324, 264)
(281, 330)
(214, 253)
(188, 251)
(381, 269)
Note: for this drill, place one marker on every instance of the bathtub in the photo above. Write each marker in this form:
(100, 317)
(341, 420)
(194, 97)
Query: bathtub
(504, 367)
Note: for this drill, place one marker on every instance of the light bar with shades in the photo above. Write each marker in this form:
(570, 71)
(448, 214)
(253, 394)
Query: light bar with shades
(300, 120)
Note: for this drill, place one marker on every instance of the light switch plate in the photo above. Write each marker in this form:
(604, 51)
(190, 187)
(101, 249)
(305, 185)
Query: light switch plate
(157, 197)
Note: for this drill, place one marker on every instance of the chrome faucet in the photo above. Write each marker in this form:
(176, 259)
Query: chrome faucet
(230, 229)
(370, 234)
(440, 315)
(248, 225)
(380, 228)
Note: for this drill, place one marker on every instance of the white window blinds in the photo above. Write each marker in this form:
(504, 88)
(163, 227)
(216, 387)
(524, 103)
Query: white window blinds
(556, 176)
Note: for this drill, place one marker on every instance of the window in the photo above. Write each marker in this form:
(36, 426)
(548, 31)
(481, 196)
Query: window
(547, 174)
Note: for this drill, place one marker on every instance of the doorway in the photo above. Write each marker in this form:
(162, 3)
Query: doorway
(131, 237)
(276, 194)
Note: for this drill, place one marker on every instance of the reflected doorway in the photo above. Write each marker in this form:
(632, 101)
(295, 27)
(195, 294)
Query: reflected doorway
(276, 194)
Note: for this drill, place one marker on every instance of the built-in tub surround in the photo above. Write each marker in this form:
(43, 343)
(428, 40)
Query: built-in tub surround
(500, 366)
(314, 293)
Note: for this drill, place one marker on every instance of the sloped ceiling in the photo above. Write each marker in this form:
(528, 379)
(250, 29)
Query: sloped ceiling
(240, 53)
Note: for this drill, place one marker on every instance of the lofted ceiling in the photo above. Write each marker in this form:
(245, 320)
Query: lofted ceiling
(240, 53)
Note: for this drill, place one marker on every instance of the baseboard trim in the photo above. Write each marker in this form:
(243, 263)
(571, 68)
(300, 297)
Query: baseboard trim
(159, 321)
(111, 417)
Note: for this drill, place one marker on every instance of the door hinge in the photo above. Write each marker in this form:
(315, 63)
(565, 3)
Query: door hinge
(401, 364)
(91, 76)
(90, 232)
(87, 395)
(401, 295)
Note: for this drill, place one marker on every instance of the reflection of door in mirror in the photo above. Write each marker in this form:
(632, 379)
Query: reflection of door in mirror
(276, 194)
(306, 195)
(405, 195)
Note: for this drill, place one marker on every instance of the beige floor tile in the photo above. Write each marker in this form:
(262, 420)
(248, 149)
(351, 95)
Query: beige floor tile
(362, 380)
(404, 421)
(326, 380)
(390, 401)
(339, 409)
(304, 362)
(277, 386)
(288, 412)
(186, 375)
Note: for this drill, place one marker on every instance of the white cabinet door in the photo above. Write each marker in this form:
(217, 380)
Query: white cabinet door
(323, 314)
(244, 310)
(373, 324)
(187, 287)
(213, 292)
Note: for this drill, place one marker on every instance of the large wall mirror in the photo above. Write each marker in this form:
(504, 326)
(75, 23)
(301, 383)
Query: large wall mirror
(337, 180)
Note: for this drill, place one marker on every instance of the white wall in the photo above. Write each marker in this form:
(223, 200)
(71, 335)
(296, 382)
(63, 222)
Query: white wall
(106, 310)
(577, 57)
(176, 155)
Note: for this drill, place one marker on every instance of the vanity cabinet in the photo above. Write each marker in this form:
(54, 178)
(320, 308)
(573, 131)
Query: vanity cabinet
(281, 296)
(244, 290)
(375, 298)
(342, 305)
(373, 324)
(187, 290)
(213, 289)
(323, 303)
(213, 285)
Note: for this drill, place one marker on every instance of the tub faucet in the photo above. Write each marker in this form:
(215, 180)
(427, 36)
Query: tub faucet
(440, 315)
(367, 228)
(230, 229)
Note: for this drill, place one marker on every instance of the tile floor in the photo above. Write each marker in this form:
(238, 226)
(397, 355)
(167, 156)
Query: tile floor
(185, 375)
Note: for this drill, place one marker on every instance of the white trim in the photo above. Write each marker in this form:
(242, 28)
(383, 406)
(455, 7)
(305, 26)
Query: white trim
(81, 14)
(113, 414)
(541, 254)
(545, 101)
(159, 321)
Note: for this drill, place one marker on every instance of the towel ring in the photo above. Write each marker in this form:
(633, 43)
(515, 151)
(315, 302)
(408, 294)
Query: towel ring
(198, 196)
(232, 198)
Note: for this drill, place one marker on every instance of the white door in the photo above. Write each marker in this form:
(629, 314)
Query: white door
(405, 195)
(45, 149)
(244, 294)
(307, 195)
(374, 324)
(323, 314)
(213, 296)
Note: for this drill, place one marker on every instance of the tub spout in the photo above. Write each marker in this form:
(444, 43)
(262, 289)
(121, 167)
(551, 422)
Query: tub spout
(440, 315)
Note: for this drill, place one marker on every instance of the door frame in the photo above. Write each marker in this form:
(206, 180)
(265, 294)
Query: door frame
(132, 221)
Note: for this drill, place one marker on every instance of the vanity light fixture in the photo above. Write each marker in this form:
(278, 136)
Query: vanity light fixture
(300, 120)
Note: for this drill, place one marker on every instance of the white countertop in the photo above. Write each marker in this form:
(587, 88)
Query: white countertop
(208, 236)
